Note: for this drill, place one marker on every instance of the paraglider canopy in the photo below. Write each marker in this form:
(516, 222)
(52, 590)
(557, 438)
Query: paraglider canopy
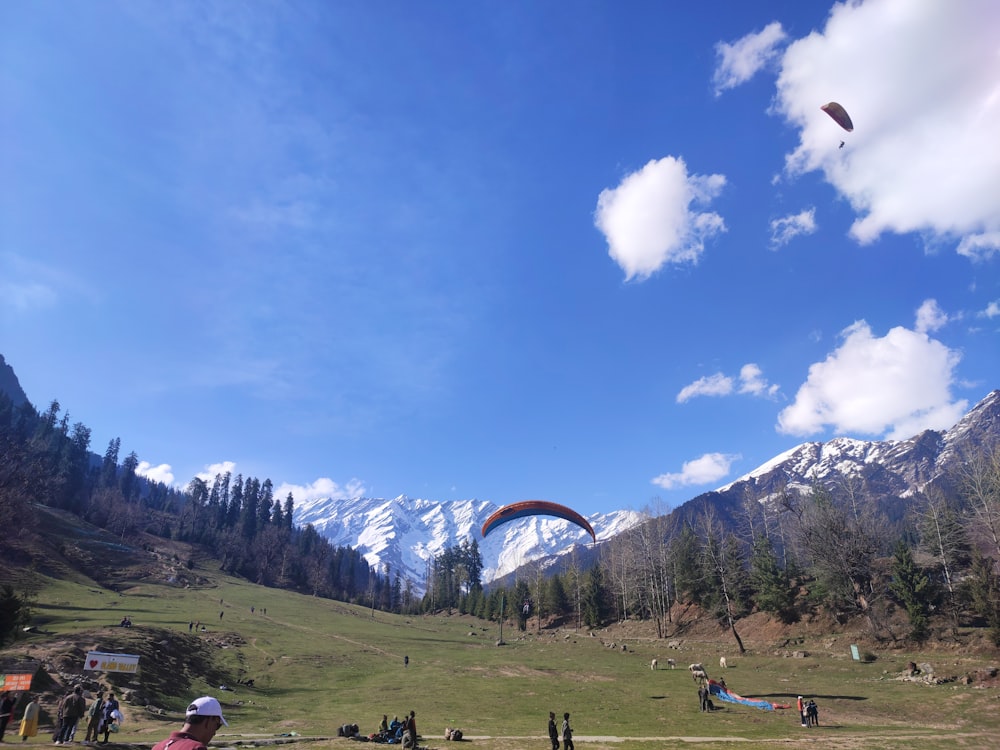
(840, 116)
(536, 508)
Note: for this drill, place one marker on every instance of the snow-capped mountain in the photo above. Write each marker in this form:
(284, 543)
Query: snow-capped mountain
(887, 472)
(405, 534)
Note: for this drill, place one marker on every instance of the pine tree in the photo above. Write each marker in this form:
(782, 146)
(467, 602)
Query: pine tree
(911, 586)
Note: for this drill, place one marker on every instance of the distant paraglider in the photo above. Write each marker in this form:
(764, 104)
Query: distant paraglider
(536, 508)
(839, 115)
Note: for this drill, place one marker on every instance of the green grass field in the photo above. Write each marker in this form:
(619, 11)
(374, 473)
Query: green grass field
(318, 664)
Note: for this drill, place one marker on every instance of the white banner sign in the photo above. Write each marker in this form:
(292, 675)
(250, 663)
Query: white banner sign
(102, 662)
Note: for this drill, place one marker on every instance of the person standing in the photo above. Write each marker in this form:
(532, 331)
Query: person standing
(95, 715)
(108, 716)
(800, 704)
(29, 721)
(73, 709)
(703, 697)
(567, 733)
(7, 703)
(201, 721)
(553, 732)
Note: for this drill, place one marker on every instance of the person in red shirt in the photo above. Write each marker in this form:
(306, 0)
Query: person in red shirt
(202, 720)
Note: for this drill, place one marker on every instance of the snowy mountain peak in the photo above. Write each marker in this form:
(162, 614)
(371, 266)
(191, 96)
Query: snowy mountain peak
(405, 534)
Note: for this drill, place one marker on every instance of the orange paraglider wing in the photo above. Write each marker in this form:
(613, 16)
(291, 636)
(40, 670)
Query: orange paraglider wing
(840, 116)
(536, 508)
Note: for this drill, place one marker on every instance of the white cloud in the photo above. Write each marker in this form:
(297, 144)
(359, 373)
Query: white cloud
(930, 317)
(919, 79)
(786, 229)
(895, 386)
(980, 246)
(751, 379)
(710, 385)
(710, 467)
(163, 473)
(648, 219)
(739, 61)
(322, 488)
(209, 473)
(992, 310)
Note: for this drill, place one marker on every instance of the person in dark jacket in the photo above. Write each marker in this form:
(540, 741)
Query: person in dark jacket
(73, 707)
(553, 731)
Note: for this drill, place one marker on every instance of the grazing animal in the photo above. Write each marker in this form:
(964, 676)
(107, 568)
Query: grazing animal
(722, 662)
(671, 663)
(699, 674)
(693, 667)
(652, 665)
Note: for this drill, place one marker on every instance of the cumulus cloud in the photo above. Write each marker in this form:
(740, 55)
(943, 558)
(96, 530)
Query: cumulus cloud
(894, 386)
(751, 381)
(710, 467)
(321, 489)
(651, 220)
(919, 79)
(739, 62)
(210, 472)
(992, 310)
(163, 473)
(979, 247)
(930, 317)
(786, 229)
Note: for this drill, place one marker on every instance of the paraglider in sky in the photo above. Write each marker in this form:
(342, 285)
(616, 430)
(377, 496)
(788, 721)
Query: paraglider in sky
(536, 508)
(840, 116)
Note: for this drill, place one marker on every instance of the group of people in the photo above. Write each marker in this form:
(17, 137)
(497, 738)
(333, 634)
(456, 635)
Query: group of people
(808, 712)
(103, 716)
(403, 732)
(567, 732)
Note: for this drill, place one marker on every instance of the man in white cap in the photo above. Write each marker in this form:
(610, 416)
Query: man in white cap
(202, 720)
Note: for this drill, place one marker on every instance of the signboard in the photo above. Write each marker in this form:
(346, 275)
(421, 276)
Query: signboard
(855, 653)
(15, 682)
(101, 662)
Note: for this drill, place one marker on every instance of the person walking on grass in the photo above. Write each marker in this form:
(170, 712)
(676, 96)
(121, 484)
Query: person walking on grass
(29, 722)
(109, 715)
(553, 732)
(73, 708)
(201, 721)
(567, 733)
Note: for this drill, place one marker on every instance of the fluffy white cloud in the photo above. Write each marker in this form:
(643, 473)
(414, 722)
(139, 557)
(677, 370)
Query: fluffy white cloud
(786, 229)
(751, 379)
(739, 61)
(710, 385)
(895, 386)
(320, 489)
(649, 219)
(992, 310)
(930, 317)
(710, 467)
(980, 246)
(163, 473)
(210, 472)
(919, 79)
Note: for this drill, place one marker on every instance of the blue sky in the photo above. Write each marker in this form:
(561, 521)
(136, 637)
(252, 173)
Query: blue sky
(608, 254)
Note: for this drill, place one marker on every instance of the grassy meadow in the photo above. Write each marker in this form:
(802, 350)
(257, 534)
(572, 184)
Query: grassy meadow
(318, 664)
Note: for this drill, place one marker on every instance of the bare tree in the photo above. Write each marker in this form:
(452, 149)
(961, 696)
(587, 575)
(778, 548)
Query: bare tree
(979, 478)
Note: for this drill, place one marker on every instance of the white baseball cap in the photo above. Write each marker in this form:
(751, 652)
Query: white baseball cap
(206, 706)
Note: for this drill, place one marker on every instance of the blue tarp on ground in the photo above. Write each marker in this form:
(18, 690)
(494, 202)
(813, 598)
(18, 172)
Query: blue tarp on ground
(729, 696)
